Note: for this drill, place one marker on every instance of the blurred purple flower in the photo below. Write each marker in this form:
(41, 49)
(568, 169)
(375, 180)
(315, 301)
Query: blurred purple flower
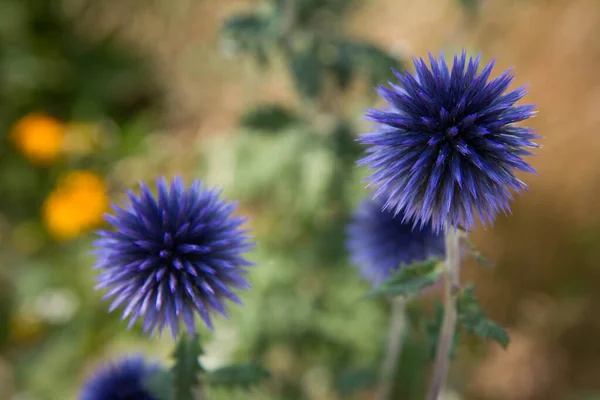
(123, 380)
(173, 255)
(379, 242)
(447, 147)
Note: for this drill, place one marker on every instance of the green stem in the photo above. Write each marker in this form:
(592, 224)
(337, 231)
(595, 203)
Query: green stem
(395, 343)
(451, 290)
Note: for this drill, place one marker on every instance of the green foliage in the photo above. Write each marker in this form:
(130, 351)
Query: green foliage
(306, 70)
(313, 15)
(352, 381)
(476, 254)
(364, 58)
(50, 67)
(293, 169)
(250, 33)
(6, 308)
(298, 186)
(268, 118)
(187, 368)
(161, 385)
(409, 280)
(474, 320)
(413, 367)
(312, 52)
(470, 6)
(310, 12)
(241, 375)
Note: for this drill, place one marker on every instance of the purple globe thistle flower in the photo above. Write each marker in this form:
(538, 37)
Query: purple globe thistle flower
(380, 242)
(447, 147)
(123, 380)
(172, 256)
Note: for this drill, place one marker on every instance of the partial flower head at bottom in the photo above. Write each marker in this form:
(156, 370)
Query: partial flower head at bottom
(126, 379)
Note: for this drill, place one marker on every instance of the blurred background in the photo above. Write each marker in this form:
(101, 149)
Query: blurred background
(264, 98)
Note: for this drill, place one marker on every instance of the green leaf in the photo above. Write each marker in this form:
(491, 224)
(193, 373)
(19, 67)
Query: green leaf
(410, 279)
(249, 33)
(476, 254)
(307, 71)
(472, 317)
(268, 118)
(343, 143)
(375, 63)
(353, 381)
(240, 375)
(469, 6)
(311, 12)
(187, 368)
(347, 58)
(160, 385)
(432, 330)
(339, 60)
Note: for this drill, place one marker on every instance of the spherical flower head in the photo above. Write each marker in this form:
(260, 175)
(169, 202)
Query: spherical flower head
(173, 256)
(379, 242)
(448, 148)
(126, 379)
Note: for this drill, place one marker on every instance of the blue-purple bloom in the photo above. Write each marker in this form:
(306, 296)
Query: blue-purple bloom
(448, 146)
(379, 242)
(126, 379)
(173, 255)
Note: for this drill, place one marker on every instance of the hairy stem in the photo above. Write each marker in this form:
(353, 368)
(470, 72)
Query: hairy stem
(451, 290)
(395, 342)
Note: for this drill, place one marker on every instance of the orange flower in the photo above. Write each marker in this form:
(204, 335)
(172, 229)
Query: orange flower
(39, 137)
(76, 205)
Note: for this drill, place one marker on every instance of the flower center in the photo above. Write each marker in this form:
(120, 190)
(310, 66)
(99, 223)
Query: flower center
(451, 132)
(166, 253)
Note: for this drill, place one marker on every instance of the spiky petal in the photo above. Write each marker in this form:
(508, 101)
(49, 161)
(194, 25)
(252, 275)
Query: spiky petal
(447, 148)
(173, 256)
(379, 242)
(126, 379)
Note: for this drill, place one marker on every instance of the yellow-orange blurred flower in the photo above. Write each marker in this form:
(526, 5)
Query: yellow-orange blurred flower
(39, 137)
(76, 205)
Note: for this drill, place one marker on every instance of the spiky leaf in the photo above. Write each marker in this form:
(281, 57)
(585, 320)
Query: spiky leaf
(410, 279)
(240, 375)
(476, 254)
(306, 71)
(474, 320)
(249, 33)
(348, 57)
(269, 118)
